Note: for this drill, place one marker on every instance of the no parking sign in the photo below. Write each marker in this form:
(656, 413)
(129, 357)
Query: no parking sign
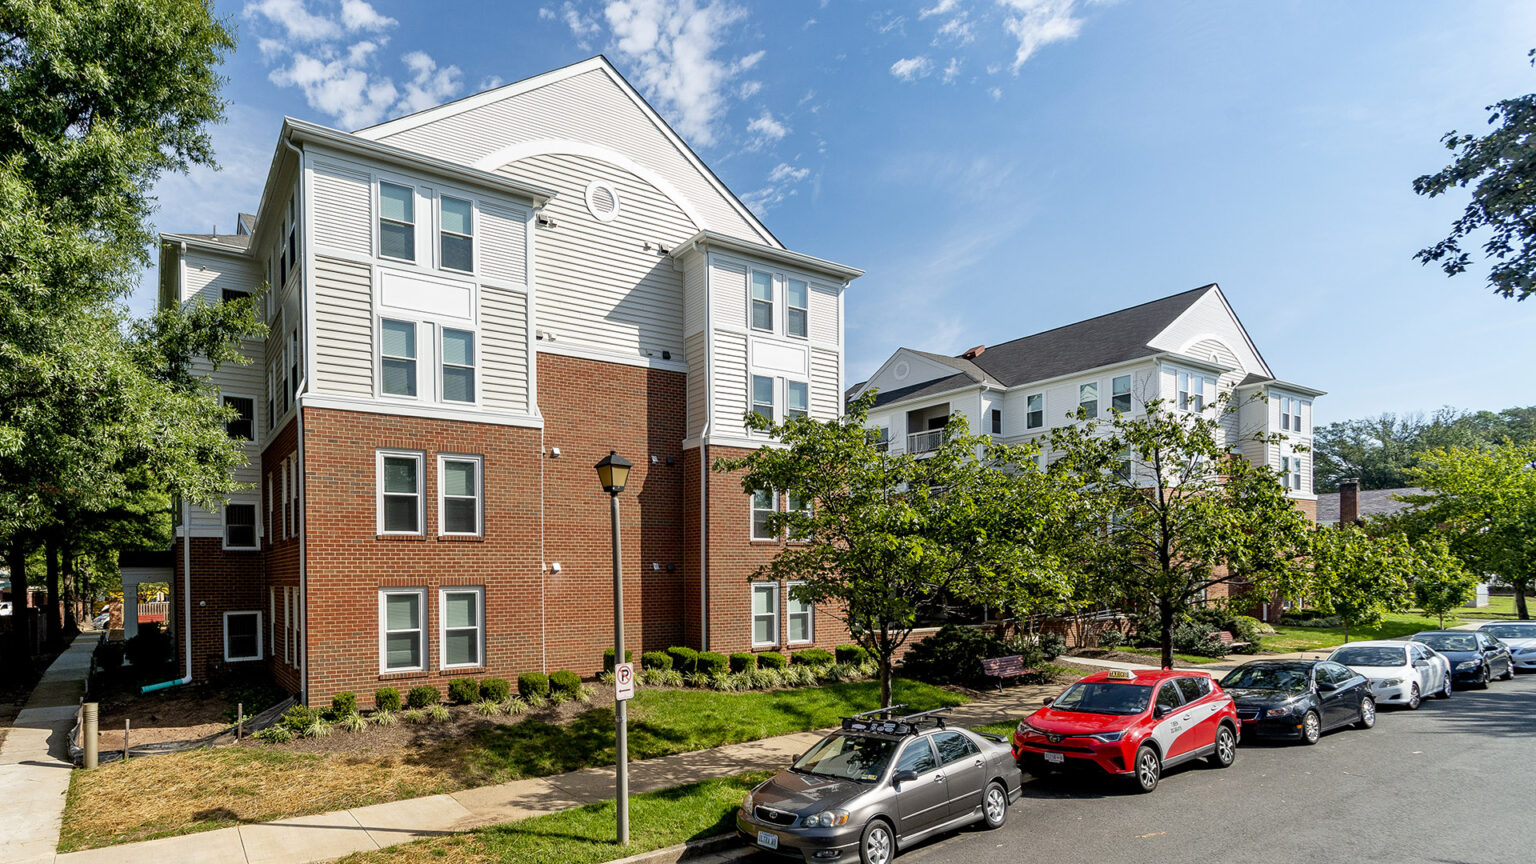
(623, 681)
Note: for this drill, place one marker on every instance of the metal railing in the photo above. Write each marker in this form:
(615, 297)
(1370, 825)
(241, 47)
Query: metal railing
(925, 442)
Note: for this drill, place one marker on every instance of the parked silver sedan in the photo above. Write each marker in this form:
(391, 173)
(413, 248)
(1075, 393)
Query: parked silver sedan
(884, 781)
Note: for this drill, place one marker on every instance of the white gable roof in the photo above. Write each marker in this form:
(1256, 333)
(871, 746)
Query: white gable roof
(1211, 319)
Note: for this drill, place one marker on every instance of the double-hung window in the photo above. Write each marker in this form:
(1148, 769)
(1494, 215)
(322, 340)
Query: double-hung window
(762, 300)
(230, 295)
(284, 469)
(402, 628)
(459, 482)
(797, 401)
(1192, 390)
(463, 627)
(293, 365)
(399, 484)
(243, 424)
(397, 352)
(240, 526)
(457, 237)
(762, 396)
(242, 636)
(397, 221)
(1120, 394)
(293, 494)
(1088, 399)
(765, 614)
(797, 299)
(997, 421)
(1034, 406)
(458, 365)
(797, 503)
(1290, 414)
(799, 615)
(765, 503)
(1290, 472)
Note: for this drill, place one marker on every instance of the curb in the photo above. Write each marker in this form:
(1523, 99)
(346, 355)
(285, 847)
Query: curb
(725, 847)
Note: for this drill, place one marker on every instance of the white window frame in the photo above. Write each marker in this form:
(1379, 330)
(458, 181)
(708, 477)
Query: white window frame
(255, 410)
(293, 492)
(378, 483)
(474, 249)
(805, 310)
(271, 505)
(283, 469)
(259, 646)
(773, 589)
(1130, 401)
(752, 403)
(378, 222)
(772, 301)
(442, 494)
(288, 625)
(752, 511)
(1082, 402)
(796, 412)
(809, 613)
(443, 628)
(1185, 395)
(379, 358)
(809, 509)
(443, 364)
(420, 630)
(995, 426)
(1029, 419)
(272, 616)
(255, 527)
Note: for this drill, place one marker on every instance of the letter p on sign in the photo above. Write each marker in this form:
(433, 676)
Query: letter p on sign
(623, 681)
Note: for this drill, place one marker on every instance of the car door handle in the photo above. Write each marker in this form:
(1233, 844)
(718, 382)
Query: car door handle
(938, 778)
(980, 764)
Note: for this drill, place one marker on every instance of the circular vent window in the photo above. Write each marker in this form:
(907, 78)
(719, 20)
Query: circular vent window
(901, 370)
(603, 200)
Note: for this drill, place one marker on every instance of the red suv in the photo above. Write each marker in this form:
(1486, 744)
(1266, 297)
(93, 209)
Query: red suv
(1130, 723)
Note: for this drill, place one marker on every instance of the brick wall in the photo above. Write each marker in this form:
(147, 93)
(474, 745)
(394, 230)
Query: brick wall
(280, 550)
(221, 582)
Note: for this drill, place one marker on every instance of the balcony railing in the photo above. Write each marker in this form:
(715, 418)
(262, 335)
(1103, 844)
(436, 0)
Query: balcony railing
(925, 442)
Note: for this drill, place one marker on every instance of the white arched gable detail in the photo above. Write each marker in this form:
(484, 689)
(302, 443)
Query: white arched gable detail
(566, 147)
(1188, 349)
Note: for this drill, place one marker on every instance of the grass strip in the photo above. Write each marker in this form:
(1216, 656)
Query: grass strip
(585, 835)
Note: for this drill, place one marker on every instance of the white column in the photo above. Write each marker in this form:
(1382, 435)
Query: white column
(130, 609)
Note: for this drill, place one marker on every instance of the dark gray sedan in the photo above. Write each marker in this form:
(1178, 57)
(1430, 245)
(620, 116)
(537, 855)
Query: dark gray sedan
(884, 781)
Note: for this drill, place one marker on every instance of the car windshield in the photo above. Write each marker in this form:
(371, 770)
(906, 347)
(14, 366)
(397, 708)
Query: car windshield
(1102, 697)
(1448, 641)
(1511, 631)
(848, 757)
(1371, 656)
(1268, 676)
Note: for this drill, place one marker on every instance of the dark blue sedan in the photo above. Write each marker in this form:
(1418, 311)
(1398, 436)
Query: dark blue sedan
(1476, 657)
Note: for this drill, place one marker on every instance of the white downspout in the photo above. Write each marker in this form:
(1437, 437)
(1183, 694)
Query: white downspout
(298, 418)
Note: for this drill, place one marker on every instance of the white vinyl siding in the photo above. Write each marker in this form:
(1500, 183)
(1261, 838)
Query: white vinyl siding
(504, 354)
(698, 384)
(504, 243)
(826, 393)
(728, 292)
(825, 327)
(341, 204)
(730, 397)
(343, 327)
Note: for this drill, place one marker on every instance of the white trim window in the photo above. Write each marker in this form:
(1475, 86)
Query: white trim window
(461, 639)
(1195, 390)
(1120, 394)
(240, 526)
(794, 502)
(765, 614)
(1034, 411)
(762, 301)
(460, 493)
(797, 399)
(397, 358)
(799, 616)
(272, 616)
(290, 626)
(1290, 472)
(1290, 414)
(293, 493)
(762, 396)
(458, 353)
(797, 296)
(402, 629)
(283, 469)
(242, 636)
(765, 504)
(397, 221)
(271, 505)
(997, 421)
(1088, 399)
(456, 234)
(243, 425)
(399, 483)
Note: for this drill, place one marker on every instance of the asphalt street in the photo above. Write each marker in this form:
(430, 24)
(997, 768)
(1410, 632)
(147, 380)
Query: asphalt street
(1452, 782)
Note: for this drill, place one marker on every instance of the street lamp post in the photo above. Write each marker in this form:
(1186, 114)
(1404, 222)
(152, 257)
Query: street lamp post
(613, 473)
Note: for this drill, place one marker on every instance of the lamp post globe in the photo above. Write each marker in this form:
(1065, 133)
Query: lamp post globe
(613, 472)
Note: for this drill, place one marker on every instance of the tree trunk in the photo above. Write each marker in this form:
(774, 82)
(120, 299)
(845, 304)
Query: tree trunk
(1521, 611)
(71, 594)
(21, 646)
(54, 629)
(886, 650)
(1165, 616)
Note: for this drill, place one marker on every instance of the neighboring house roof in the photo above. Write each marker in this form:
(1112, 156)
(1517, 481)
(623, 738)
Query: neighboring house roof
(1373, 502)
(969, 367)
(233, 241)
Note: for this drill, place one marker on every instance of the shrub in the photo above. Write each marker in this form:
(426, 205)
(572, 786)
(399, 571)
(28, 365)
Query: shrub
(684, 660)
(712, 663)
(1111, 639)
(352, 723)
(655, 660)
(463, 691)
(743, 661)
(413, 715)
(278, 734)
(851, 653)
(813, 657)
(385, 718)
(422, 696)
(109, 656)
(317, 728)
(536, 700)
(1246, 629)
(766, 679)
(437, 713)
(771, 660)
(514, 706)
(386, 699)
(1052, 645)
(298, 718)
(495, 689)
(531, 684)
(343, 704)
(606, 678)
(953, 656)
(629, 657)
(1195, 638)
(565, 683)
(661, 678)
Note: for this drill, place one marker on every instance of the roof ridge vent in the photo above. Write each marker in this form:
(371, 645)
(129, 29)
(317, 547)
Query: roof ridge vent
(973, 353)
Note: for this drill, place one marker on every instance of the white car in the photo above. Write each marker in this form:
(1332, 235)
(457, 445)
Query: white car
(5, 607)
(1401, 673)
(1520, 636)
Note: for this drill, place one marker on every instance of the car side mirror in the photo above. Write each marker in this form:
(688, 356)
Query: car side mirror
(1159, 712)
(1049, 699)
(904, 776)
(1326, 687)
(795, 758)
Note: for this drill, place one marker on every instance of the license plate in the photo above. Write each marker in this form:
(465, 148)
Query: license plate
(1056, 758)
(767, 840)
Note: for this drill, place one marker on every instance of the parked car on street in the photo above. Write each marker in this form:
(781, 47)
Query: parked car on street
(1476, 657)
(1299, 699)
(1135, 724)
(1520, 636)
(1401, 673)
(883, 782)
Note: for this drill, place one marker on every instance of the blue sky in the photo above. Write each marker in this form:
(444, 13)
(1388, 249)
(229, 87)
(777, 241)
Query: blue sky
(1000, 167)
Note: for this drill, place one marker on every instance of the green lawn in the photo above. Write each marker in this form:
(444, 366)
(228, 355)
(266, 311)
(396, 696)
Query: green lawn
(1288, 638)
(1499, 608)
(586, 835)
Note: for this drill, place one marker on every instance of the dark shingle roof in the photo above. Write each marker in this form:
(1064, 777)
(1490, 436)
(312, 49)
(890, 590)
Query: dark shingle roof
(924, 388)
(1373, 502)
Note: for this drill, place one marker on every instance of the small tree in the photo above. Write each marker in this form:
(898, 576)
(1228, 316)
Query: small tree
(1358, 577)
(1440, 582)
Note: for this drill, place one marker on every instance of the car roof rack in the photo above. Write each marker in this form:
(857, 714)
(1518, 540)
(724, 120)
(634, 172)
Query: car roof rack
(885, 721)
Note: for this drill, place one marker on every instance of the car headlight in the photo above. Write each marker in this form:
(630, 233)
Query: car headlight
(1026, 729)
(1468, 664)
(1108, 737)
(1391, 682)
(1281, 710)
(746, 803)
(827, 819)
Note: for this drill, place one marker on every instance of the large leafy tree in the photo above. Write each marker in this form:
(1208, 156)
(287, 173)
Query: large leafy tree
(1380, 451)
(886, 534)
(1441, 583)
(1178, 511)
(1359, 577)
(1499, 167)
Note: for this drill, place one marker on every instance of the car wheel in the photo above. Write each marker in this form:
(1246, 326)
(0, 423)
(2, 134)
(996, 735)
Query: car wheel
(1484, 678)
(1509, 672)
(1414, 699)
(878, 845)
(1226, 747)
(994, 804)
(1367, 713)
(1149, 768)
(1445, 692)
(1311, 728)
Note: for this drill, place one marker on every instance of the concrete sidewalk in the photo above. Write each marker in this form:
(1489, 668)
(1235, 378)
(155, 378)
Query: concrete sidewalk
(34, 760)
(332, 835)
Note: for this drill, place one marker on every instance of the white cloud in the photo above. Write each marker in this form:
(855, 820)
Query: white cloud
(943, 7)
(338, 88)
(785, 171)
(358, 15)
(490, 82)
(1037, 23)
(546, 14)
(957, 31)
(952, 71)
(296, 20)
(584, 27)
(429, 85)
(764, 126)
(912, 68)
(748, 89)
(996, 93)
(749, 61)
(672, 46)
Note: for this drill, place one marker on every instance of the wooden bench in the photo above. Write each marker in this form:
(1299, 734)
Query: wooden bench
(1229, 640)
(1006, 667)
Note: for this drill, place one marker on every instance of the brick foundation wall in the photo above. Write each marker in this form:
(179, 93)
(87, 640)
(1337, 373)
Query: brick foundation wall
(221, 582)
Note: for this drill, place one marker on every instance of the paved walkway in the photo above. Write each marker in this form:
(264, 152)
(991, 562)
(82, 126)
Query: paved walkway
(34, 759)
(332, 835)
